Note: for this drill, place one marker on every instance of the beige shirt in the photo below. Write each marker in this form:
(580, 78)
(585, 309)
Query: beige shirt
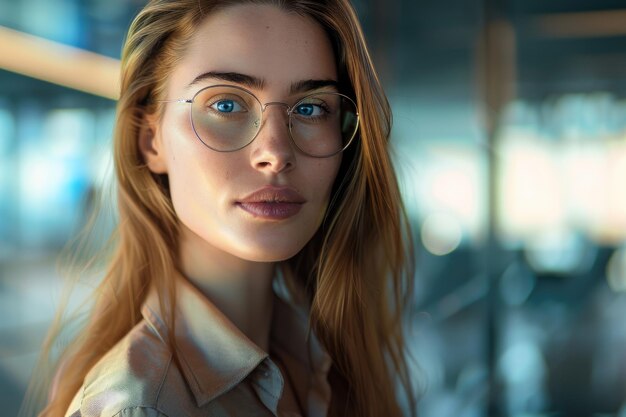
(221, 373)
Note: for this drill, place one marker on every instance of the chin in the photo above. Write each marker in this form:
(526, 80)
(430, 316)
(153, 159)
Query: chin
(269, 254)
(271, 250)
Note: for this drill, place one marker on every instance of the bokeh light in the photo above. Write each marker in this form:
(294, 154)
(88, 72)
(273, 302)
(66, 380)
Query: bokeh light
(441, 234)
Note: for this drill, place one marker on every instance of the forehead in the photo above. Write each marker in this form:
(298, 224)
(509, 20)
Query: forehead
(259, 40)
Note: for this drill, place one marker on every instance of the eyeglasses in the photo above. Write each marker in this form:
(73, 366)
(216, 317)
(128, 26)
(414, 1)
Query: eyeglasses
(227, 118)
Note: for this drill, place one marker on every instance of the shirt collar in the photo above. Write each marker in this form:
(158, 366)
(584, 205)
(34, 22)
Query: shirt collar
(215, 355)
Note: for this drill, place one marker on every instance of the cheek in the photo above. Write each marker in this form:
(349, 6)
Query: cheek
(196, 175)
(321, 175)
(326, 174)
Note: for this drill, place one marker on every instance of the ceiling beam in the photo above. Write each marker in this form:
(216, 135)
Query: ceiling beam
(581, 24)
(59, 64)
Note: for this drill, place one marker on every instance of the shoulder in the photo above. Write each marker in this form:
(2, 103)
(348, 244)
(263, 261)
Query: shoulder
(128, 380)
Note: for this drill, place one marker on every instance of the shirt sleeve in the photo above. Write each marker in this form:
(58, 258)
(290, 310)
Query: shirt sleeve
(140, 412)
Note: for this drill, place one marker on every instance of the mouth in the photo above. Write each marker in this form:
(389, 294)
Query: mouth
(272, 203)
(271, 210)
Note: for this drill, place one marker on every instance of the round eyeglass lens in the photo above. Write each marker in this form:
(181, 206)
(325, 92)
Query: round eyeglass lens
(225, 118)
(323, 124)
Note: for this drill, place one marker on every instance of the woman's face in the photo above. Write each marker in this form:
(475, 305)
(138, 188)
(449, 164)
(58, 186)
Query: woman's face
(265, 201)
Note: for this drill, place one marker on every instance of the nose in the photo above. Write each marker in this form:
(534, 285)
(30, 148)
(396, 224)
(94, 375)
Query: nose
(273, 150)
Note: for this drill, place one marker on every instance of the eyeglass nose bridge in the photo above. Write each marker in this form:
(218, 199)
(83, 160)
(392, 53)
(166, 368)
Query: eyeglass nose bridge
(275, 103)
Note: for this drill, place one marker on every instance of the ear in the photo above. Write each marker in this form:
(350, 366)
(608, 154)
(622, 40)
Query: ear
(151, 145)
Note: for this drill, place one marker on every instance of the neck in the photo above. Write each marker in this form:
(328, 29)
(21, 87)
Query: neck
(240, 289)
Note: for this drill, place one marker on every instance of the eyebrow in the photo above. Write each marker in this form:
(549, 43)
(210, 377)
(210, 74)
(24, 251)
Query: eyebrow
(258, 83)
(309, 85)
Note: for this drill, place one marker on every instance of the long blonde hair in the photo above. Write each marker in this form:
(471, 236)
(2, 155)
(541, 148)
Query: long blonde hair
(357, 270)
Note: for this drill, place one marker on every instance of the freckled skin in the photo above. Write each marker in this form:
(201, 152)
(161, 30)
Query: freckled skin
(205, 184)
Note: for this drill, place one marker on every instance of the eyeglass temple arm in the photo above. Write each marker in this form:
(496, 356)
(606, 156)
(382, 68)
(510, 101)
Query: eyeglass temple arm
(180, 100)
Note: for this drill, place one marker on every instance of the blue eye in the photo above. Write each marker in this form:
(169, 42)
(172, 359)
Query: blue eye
(305, 109)
(312, 110)
(227, 106)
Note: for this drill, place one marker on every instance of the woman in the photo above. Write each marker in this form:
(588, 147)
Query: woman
(263, 258)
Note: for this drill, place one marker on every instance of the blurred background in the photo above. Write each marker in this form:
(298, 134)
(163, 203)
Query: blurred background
(510, 145)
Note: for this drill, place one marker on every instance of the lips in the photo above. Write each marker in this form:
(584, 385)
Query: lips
(272, 203)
